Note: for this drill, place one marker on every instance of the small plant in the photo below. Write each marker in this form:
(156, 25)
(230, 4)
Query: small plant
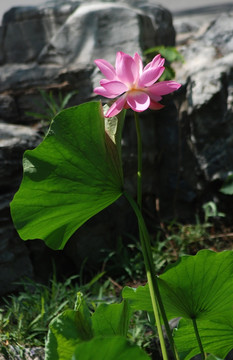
(211, 211)
(125, 262)
(174, 239)
(170, 53)
(24, 318)
(51, 106)
(227, 187)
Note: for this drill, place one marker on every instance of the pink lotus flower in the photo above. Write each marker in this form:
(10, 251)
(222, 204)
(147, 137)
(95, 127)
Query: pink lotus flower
(134, 84)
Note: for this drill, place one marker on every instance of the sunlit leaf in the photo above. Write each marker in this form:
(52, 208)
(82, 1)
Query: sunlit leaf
(114, 127)
(109, 348)
(212, 357)
(139, 298)
(170, 53)
(199, 287)
(216, 338)
(227, 187)
(67, 330)
(71, 176)
(112, 319)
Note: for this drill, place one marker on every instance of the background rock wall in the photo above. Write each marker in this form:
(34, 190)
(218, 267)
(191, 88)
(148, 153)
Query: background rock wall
(187, 145)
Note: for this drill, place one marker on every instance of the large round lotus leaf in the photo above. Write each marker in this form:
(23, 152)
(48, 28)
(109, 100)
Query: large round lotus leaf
(216, 337)
(72, 175)
(199, 287)
(108, 348)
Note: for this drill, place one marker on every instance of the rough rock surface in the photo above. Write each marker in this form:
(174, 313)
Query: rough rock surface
(206, 110)
(31, 26)
(64, 41)
(15, 352)
(14, 258)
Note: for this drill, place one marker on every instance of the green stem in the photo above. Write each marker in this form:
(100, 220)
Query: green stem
(152, 280)
(139, 154)
(150, 277)
(198, 339)
(146, 246)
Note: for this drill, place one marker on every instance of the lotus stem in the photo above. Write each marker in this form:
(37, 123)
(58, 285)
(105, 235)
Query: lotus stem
(202, 352)
(156, 300)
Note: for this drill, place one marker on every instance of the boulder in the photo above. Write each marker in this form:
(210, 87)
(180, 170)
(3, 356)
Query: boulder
(205, 121)
(83, 36)
(1, 45)
(15, 261)
(8, 107)
(220, 34)
(69, 38)
(32, 26)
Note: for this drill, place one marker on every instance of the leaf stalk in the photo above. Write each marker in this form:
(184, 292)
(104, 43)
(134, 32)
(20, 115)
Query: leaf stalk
(202, 352)
(156, 300)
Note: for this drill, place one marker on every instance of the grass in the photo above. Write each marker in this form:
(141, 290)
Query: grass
(51, 105)
(24, 317)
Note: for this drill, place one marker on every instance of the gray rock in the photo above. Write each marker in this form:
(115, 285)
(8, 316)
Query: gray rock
(15, 262)
(205, 155)
(63, 51)
(8, 107)
(14, 140)
(18, 78)
(210, 107)
(1, 45)
(32, 26)
(16, 352)
(83, 37)
(220, 34)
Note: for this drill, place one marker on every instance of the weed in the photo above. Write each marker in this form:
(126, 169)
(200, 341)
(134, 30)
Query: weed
(24, 317)
(51, 106)
(170, 53)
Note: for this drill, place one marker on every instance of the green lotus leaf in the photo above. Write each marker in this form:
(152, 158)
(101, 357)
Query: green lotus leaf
(216, 338)
(139, 298)
(67, 330)
(199, 287)
(110, 348)
(112, 319)
(72, 175)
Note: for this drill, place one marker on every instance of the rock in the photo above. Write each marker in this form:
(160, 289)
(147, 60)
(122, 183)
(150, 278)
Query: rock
(71, 36)
(8, 107)
(205, 142)
(15, 262)
(16, 352)
(83, 37)
(210, 109)
(1, 45)
(32, 26)
(220, 34)
(14, 140)
(18, 78)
